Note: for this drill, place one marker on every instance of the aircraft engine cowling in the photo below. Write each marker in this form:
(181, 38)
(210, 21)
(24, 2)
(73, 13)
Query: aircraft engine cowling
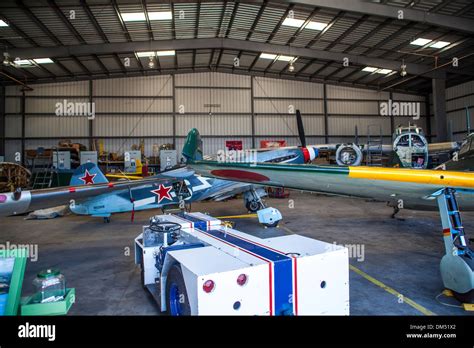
(349, 155)
(13, 203)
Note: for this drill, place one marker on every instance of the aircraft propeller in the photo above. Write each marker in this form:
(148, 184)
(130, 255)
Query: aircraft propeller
(309, 153)
(299, 122)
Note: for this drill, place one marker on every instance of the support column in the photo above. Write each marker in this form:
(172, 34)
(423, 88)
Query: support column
(428, 118)
(91, 125)
(252, 110)
(439, 109)
(325, 107)
(392, 119)
(23, 125)
(174, 109)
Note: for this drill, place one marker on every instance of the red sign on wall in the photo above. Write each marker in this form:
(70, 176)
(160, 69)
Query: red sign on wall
(264, 144)
(233, 145)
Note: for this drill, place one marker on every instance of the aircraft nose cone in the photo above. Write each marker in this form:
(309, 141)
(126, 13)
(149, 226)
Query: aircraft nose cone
(309, 153)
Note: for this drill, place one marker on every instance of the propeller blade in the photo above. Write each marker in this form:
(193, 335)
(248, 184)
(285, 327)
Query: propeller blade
(132, 200)
(299, 122)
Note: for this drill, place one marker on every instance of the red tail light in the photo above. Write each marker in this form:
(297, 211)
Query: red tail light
(208, 286)
(242, 279)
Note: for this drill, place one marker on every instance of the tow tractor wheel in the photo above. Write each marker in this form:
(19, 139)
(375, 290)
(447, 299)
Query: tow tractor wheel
(176, 296)
(467, 297)
(275, 224)
(253, 206)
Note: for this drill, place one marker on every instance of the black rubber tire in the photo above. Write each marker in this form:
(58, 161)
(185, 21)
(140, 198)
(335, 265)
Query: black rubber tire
(253, 206)
(467, 297)
(175, 276)
(275, 224)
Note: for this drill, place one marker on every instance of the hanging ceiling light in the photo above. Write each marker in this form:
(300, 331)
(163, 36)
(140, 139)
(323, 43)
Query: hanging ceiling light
(151, 62)
(403, 69)
(6, 59)
(291, 67)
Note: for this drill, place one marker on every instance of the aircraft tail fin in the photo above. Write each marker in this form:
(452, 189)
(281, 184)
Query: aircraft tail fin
(192, 149)
(88, 174)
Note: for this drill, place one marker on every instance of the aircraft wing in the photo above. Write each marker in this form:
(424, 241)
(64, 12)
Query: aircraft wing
(18, 203)
(230, 191)
(411, 188)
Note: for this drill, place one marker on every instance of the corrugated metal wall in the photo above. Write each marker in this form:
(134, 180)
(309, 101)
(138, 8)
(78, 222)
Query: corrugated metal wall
(162, 109)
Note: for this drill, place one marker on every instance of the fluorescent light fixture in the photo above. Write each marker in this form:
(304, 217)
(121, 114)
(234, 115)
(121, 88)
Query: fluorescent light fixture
(268, 56)
(145, 54)
(372, 69)
(316, 26)
(298, 23)
(160, 16)
(3, 23)
(440, 44)
(165, 53)
(43, 61)
(293, 22)
(369, 69)
(22, 62)
(286, 58)
(133, 17)
(420, 42)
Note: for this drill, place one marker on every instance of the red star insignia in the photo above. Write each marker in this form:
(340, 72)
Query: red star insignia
(88, 178)
(163, 192)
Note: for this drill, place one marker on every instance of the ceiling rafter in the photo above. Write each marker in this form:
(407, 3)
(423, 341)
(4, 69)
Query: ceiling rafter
(273, 33)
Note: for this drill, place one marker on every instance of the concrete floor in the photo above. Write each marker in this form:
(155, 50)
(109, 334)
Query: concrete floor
(97, 259)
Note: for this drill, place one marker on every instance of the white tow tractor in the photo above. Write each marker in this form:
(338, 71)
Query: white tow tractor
(192, 265)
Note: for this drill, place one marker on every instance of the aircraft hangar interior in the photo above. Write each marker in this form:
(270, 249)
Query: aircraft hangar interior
(228, 158)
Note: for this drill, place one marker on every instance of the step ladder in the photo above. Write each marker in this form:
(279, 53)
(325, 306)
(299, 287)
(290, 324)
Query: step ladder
(374, 145)
(42, 170)
(457, 264)
(453, 230)
(42, 179)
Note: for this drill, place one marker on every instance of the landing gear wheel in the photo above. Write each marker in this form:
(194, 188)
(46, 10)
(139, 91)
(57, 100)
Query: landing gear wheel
(467, 297)
(396, 210)
(107, 220)
(254, 206)
(176, 296)
(275, 224)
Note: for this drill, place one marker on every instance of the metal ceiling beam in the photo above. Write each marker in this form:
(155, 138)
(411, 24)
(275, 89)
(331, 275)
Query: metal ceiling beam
(300, 29)
(218, 32)
(196, 31)
(98, 28)
(227, 32)
(217, 43)
(122, 24)
(73, 30)
(359, 6)
(254, 24)
(152, 72)
(329, 26)
(273, 33)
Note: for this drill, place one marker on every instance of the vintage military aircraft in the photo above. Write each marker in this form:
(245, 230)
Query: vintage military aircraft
(92, 194)
(409, 148)
(464, 159)
(450, 191)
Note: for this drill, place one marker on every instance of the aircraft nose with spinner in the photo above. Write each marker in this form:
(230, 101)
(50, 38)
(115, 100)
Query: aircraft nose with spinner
(309, 153)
